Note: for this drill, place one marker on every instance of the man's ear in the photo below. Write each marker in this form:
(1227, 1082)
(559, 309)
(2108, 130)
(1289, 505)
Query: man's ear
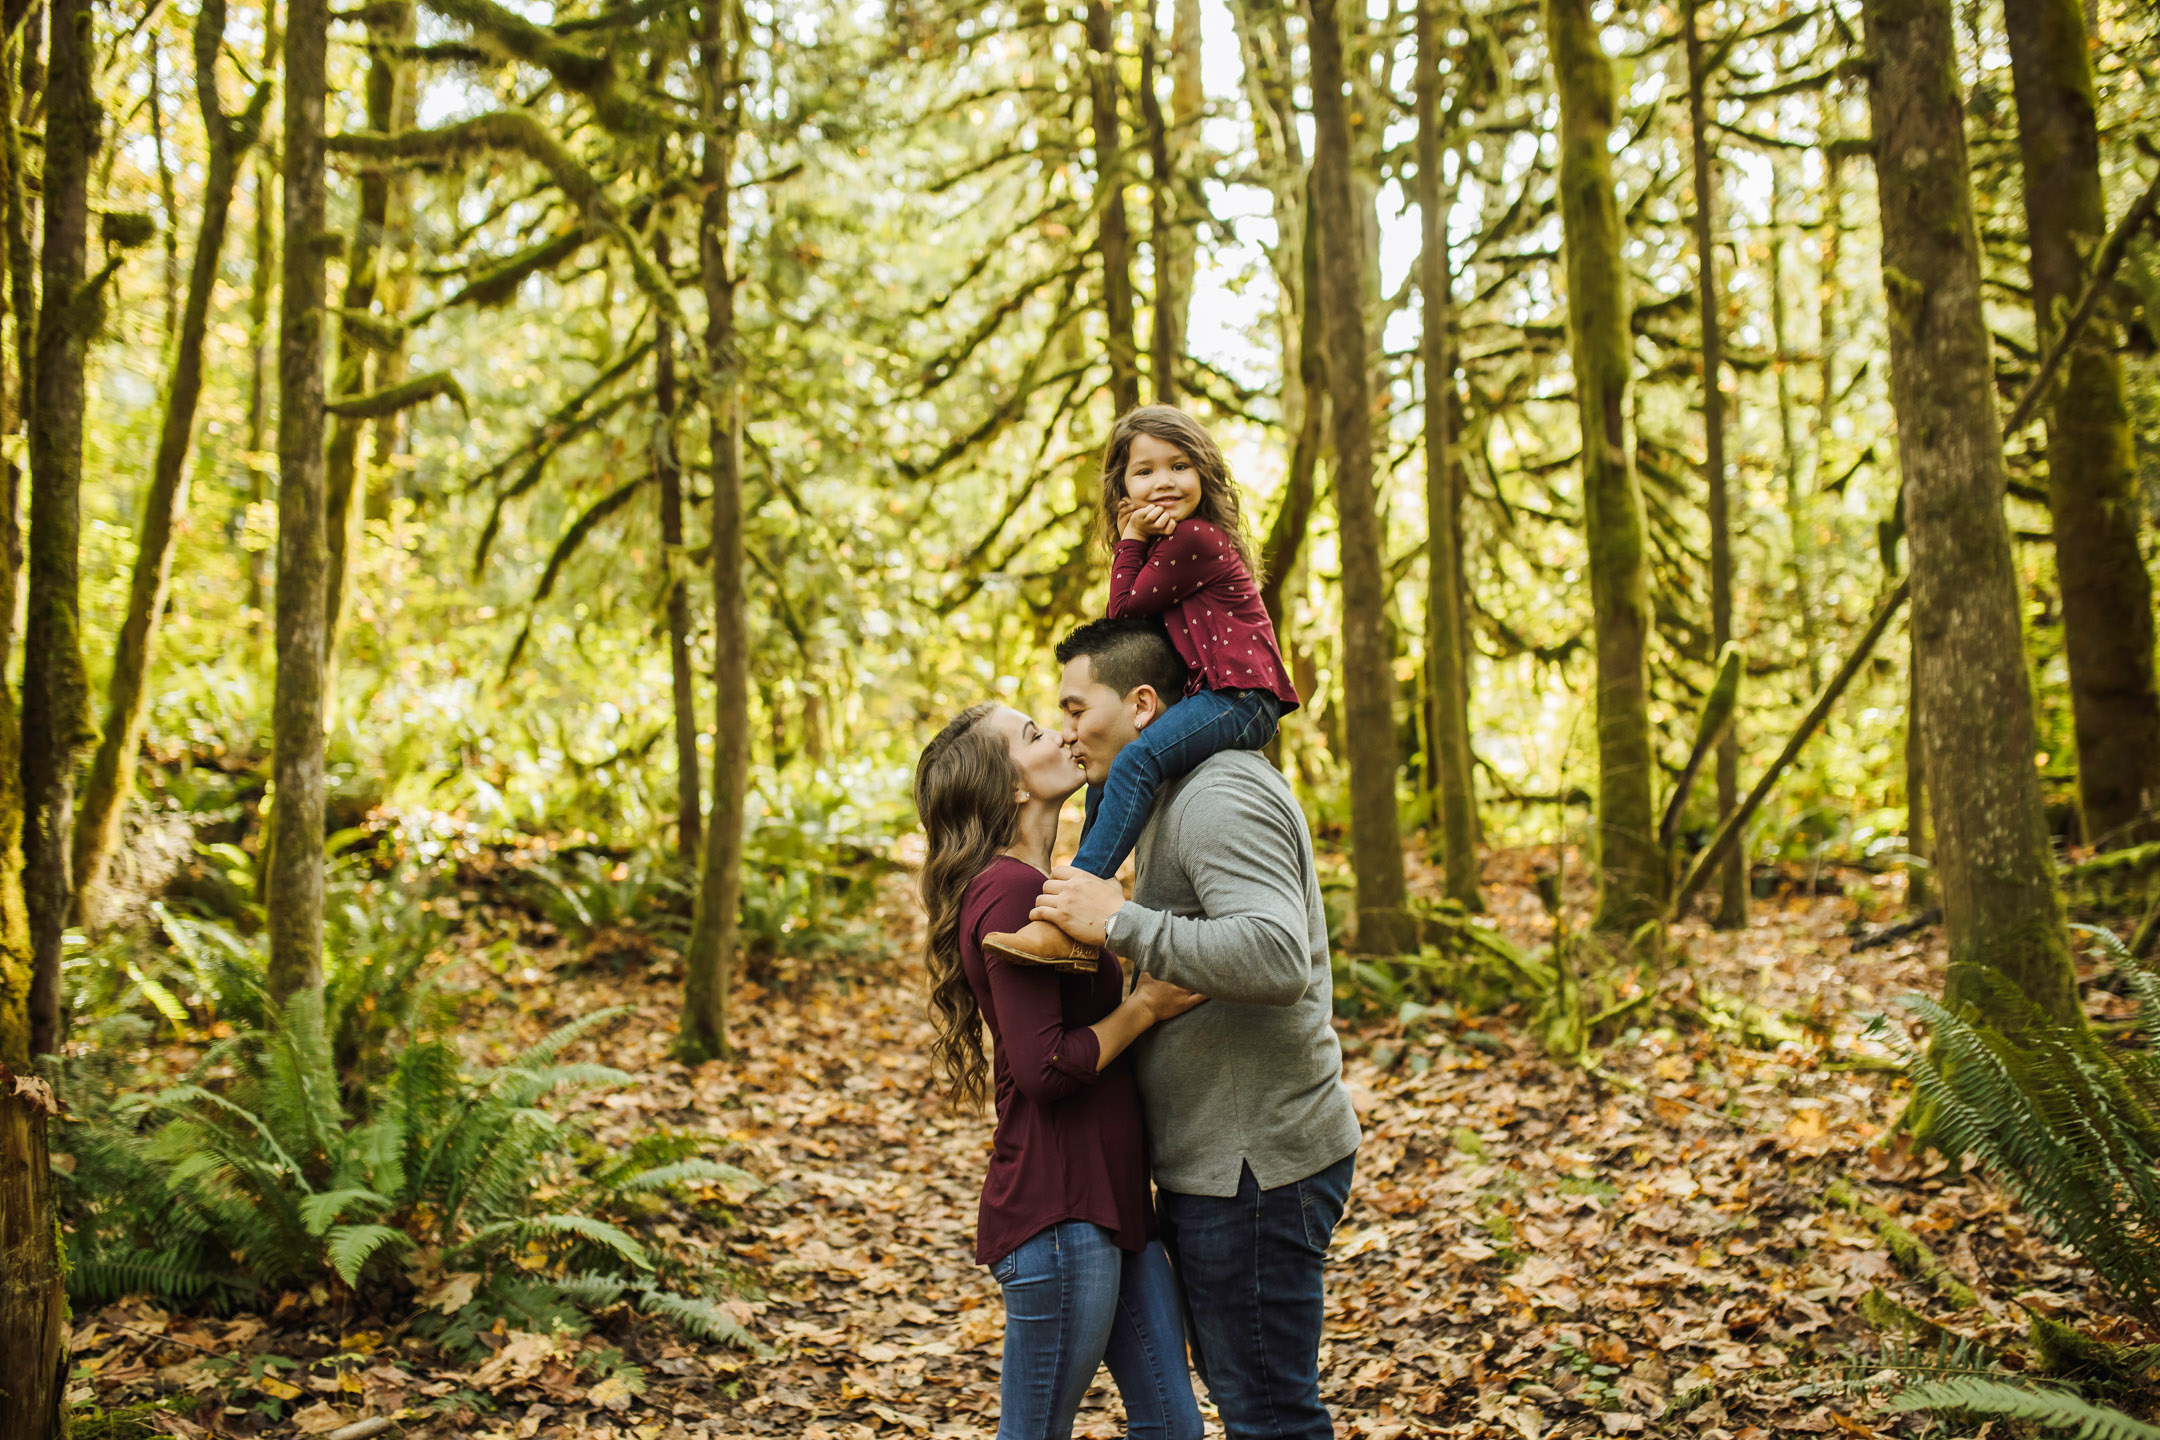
(1147, 706)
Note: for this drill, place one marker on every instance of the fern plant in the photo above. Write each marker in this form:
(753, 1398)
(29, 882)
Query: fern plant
(2067, 1124)
(2047, 1408)
(206, 1195)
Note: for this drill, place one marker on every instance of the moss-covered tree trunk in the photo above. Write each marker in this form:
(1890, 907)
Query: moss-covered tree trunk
(667, 469)
(112, 770)
(1631, 870)
(16, 965)
(33, 1286)
(55, 691)
(709, 965)
(33, 1298)
(294, 894)
(1446, 687)
(390, 30)
(1113, 230)
(1919, 889)
(262, 283)
(1732, 880)
(1992, 861)
(2107, 595)
(1368, 659)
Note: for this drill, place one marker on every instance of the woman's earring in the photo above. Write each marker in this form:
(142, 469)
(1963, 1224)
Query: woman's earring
(1025, 797)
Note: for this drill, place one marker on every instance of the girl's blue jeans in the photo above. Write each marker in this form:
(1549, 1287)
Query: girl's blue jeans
(1179, 739)
(1074, 1300)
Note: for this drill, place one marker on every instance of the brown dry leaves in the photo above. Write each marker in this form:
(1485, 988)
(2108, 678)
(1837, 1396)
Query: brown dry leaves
(1530, 1251)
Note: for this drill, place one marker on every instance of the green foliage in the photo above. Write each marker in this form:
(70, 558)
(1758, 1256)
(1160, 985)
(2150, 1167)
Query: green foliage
(2068, 1125)
(1463, 961)
(2050, 1409)
(585, 893)
(208, 1193)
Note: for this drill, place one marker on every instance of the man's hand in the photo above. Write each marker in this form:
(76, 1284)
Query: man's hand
(1078, 903)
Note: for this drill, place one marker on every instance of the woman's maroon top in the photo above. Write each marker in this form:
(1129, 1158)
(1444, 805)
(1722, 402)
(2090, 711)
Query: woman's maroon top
(1193, 578)
(1070, 1142)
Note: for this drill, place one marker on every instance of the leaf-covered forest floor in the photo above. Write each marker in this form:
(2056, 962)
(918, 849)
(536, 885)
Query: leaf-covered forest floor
(1532, 1249)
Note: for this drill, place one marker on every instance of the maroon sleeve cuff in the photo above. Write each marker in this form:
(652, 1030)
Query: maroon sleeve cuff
(1079, 1054)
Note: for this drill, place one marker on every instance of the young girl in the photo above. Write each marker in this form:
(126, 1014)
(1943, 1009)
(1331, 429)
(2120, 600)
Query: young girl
(1181, 553)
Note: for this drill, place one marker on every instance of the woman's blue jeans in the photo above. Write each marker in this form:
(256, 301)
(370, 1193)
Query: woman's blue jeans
(1178, 740)
(1074, 1300)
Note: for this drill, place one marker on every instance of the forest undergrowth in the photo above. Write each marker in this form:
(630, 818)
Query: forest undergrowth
(1687, 1236)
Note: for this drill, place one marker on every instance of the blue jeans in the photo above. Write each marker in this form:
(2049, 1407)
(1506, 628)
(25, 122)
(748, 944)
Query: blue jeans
(1249, 1267)
(1074, 1300)
(1179, 739)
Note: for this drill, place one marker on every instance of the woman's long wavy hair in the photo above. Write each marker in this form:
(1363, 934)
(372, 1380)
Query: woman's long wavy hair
(964, 787)
(1218, 492)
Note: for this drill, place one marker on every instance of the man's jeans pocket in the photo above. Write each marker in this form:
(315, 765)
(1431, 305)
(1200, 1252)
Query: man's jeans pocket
(1322, 1199)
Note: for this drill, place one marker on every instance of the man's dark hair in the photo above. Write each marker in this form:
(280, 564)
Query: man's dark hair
(1127, 652)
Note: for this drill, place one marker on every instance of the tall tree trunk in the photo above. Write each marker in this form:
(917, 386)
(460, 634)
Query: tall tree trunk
(1447, 719)
(1166, 339)
(33, 1284)
(1368, 681)
(16, 965)
(709, 964)
(295, 861)
(169, 236)
(1631, 875)
(1113, 231)
(1993, 864)
(1789, 469)
(389, 31)
(55, 691)
(33, 1296)
(261, 283)
(1732, 880)
(1293, 515)
(667, 468)
(1919, 890)
(2107, 595)
(112, 769)
(1175, 247)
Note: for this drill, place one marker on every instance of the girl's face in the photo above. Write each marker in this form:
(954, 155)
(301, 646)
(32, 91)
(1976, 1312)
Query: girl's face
(1046, 771)
(1159, 473)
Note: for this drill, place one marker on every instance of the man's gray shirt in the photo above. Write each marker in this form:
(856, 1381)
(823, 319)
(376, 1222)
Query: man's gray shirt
(1228, 904)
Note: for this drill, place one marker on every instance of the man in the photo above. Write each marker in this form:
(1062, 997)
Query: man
(1251, 1132)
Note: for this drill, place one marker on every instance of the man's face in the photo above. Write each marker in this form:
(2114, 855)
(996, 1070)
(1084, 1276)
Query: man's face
(1099, 722)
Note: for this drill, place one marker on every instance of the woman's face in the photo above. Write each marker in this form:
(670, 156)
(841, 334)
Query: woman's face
(1159, 473)
(1046, 771)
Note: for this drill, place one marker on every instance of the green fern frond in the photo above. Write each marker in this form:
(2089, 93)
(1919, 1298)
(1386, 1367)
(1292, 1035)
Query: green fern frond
(592, 1291)
(2054, 1409)
(583, 1227)
(700, 1318)
(319, 1212)
(683, 1172)
(350, 1246)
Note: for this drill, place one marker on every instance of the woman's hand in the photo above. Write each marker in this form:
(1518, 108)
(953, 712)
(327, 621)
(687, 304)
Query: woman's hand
(1164, 1000)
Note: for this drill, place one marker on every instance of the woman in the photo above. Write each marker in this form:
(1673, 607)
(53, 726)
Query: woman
(1065, 1223)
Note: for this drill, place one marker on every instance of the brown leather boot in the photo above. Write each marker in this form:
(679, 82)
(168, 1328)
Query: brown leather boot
(1041, 943)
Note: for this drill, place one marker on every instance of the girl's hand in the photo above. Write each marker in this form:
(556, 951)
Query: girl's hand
(1141, 522)
(1164, 1000)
